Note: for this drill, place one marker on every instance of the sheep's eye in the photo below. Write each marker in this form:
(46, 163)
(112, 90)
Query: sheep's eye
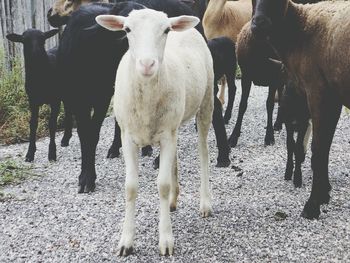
(167, 30)
(127, 30)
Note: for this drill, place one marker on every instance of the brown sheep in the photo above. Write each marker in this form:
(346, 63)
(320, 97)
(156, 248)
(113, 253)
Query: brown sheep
(254, 59)
(62, 9)
(226, 18)
(256, 66)
(313, 43)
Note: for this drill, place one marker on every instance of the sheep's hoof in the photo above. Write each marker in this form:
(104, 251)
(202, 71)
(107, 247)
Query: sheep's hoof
(288, 176)
(269, 141)
(297, 179)
(113, 153)
(65, 142)
(156, 163)
(147, 151)
(205, 211)
(166, 246)
(125, 251)
(168, 252)
(223, 163)
(29, 159)
(52, 158)
(297, 183)
(288, 173)
(277, 126)
(172, 208)
(311, 210)
(86, 188)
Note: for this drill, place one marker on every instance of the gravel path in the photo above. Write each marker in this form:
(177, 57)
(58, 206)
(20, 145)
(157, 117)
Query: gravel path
(47, 221)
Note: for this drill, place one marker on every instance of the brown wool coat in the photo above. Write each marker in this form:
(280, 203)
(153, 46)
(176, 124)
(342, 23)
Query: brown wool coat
(226, 18)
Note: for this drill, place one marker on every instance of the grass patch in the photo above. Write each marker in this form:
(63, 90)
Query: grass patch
(238, 73)
(4, 197)
(14, 107)
(13, 173)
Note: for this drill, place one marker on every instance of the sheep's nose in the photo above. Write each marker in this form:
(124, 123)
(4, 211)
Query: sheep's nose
(148, 63)
(261, 26)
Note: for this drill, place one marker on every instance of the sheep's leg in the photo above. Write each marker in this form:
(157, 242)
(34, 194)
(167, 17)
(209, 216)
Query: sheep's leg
(246, 85)
(130, 153)
(97, 119)
(269, 137)
(113, 151)
(223, 159)
(203, 123)
(325, 112)
(300, 151)
(167, 157)
(34, 109)
(231, 95)
(174, 187)
(55, 108)
(278, 123)
(68, 125)
(290, 150)
(87, 176)
(88, 131)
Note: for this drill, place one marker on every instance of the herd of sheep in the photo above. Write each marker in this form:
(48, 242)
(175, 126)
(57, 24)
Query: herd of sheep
(163, 59)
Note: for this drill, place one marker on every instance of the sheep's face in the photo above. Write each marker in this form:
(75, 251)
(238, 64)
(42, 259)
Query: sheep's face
(147, 31)
(62, 9)
(32, 39)
(267, 15)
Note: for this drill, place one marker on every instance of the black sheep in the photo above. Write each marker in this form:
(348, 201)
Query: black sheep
(296, 116)
(254, 59)
(41, 88)
(224, 58)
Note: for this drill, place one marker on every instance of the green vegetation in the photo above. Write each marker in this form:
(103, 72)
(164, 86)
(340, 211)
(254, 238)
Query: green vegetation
(13, 173)
(14, 109)
(238, 73)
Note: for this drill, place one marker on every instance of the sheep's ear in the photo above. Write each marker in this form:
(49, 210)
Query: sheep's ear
(15, 38)
(111, 22)
(51, 33)
(182, 23)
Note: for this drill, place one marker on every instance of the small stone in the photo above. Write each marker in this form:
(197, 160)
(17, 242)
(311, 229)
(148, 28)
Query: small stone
(279, 216)
(236, 168)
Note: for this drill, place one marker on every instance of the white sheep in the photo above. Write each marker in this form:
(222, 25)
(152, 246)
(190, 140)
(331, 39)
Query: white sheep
(164, 79)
